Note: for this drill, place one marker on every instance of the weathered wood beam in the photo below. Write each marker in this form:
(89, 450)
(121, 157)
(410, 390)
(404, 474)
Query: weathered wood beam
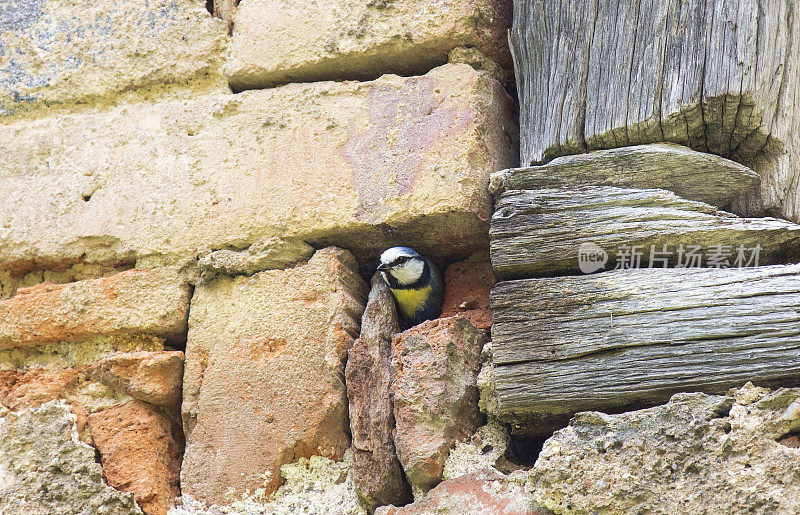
(715, 75)
(693, 175)
(632, 338)
(539, 232)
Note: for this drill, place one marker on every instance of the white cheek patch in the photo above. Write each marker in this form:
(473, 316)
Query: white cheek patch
(409, 272)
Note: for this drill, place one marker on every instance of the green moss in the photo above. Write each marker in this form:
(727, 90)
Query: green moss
(72, 354)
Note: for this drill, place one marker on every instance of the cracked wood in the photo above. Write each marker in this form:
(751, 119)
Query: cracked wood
(539, 232)
(719, 76)
(632, 338)
(681, 170)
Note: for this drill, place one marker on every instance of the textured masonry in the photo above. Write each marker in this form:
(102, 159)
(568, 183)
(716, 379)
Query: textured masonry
(396, 160)
(264, 383)
(279, 41)
(87, 51)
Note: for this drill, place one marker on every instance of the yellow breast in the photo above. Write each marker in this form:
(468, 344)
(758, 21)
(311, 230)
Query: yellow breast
(410, 301)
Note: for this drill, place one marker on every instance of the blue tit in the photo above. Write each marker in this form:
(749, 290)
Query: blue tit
(415, 282)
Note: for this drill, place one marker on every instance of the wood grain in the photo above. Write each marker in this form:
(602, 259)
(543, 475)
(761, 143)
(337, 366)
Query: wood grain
(719, 76)
(538, 233)
(632, 338)
(693, 175)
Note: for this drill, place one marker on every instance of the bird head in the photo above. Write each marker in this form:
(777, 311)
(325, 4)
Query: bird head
(403, 264)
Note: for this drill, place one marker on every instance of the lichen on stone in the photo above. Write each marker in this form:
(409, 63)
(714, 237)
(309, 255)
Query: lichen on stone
(313, 485)
(45, 468)
(481, 451)
(51, 356)
(696, 454)
(487, 401)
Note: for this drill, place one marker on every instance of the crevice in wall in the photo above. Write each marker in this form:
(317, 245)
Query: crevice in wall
(523, 450)
(790, 439)
(180, 342)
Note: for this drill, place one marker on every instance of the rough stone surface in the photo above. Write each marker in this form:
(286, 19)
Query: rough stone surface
(225, 9)
(13, 278)
(692, 175)
(44, 468)
(399, 160)
(264, 255)
(30, 377)
(317, 485)
(478, 60)
(487, 400)
(152, 377)
(314, 485)
(20, 389)
(377, 474)
(435, 365)
(695, 454)
(485, 491)
(141, 445)
(153, 302)
(141, 451)
(80, 51)
(486, 449)
(466, 292)
(715, 75)
(279, 41)
(263, 383)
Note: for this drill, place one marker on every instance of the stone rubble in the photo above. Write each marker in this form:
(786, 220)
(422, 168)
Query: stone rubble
(696, 454)
(434, 367)
(45, 468)
(313, 485)
(377, 474)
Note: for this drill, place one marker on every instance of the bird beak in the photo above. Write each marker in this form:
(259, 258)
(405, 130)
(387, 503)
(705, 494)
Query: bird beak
(383, 267)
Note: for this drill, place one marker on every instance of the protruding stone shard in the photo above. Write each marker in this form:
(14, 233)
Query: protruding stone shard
(692, 175)
(543, 232)
(716, 76)
(435, 365)
(46, 469)
(466, 292)
(20, 389)
(271, 254)
(399, 160)
(695, 454)
(152, 377)
(486, 449)
(54, 52)
(264, 380)
(632, 338)
(153, 302)
(377, 474)
(141, 450)
(279, 41)
(484, 491)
